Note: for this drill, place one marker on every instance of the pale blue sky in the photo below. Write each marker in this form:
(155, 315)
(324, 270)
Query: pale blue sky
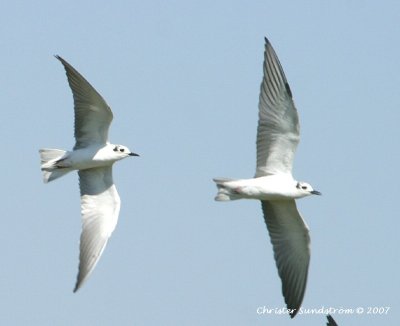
(182, 78)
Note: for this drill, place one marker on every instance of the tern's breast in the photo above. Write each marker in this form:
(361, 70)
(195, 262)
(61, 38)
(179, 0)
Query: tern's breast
(91, 157)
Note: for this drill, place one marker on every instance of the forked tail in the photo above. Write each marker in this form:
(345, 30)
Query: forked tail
(225, 192)
(49, 158)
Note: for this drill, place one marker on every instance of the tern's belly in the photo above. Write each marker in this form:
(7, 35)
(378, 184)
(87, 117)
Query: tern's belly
(89, 164)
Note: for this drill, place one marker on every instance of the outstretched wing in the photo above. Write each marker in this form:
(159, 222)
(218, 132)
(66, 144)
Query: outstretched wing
(92, 114)
(278, 130)
(100, 204)
(291, 243)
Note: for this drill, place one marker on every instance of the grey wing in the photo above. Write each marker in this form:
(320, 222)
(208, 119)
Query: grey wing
(92, 114)
(100, 204)
(331, 321)
(278, 130)
(291, 243)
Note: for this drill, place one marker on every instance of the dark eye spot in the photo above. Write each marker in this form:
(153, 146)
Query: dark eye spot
(121, 149)
(304, 187)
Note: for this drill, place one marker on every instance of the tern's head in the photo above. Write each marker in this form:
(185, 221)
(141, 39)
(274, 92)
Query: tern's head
(306, 189)
(122, 151)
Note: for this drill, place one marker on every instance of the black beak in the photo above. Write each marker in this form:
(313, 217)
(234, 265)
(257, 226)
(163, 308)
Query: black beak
(314, 192)
(133, 154)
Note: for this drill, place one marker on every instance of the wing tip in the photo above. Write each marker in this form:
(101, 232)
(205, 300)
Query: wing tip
(63, 62)
(76, 288)
(293, 313)
(331, 321)
(58, 57)
(267, 43)
(80, 279)
(293, 303)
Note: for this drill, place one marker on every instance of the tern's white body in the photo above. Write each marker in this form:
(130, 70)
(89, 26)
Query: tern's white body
(87, 158)
(278, 135)
(93, 157)
(272, 187)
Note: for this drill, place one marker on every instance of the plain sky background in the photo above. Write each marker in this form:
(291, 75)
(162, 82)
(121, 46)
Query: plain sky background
(182, 78)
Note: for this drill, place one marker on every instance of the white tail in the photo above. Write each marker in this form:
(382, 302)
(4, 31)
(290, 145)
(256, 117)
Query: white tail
(225, 193)
(49, 158)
